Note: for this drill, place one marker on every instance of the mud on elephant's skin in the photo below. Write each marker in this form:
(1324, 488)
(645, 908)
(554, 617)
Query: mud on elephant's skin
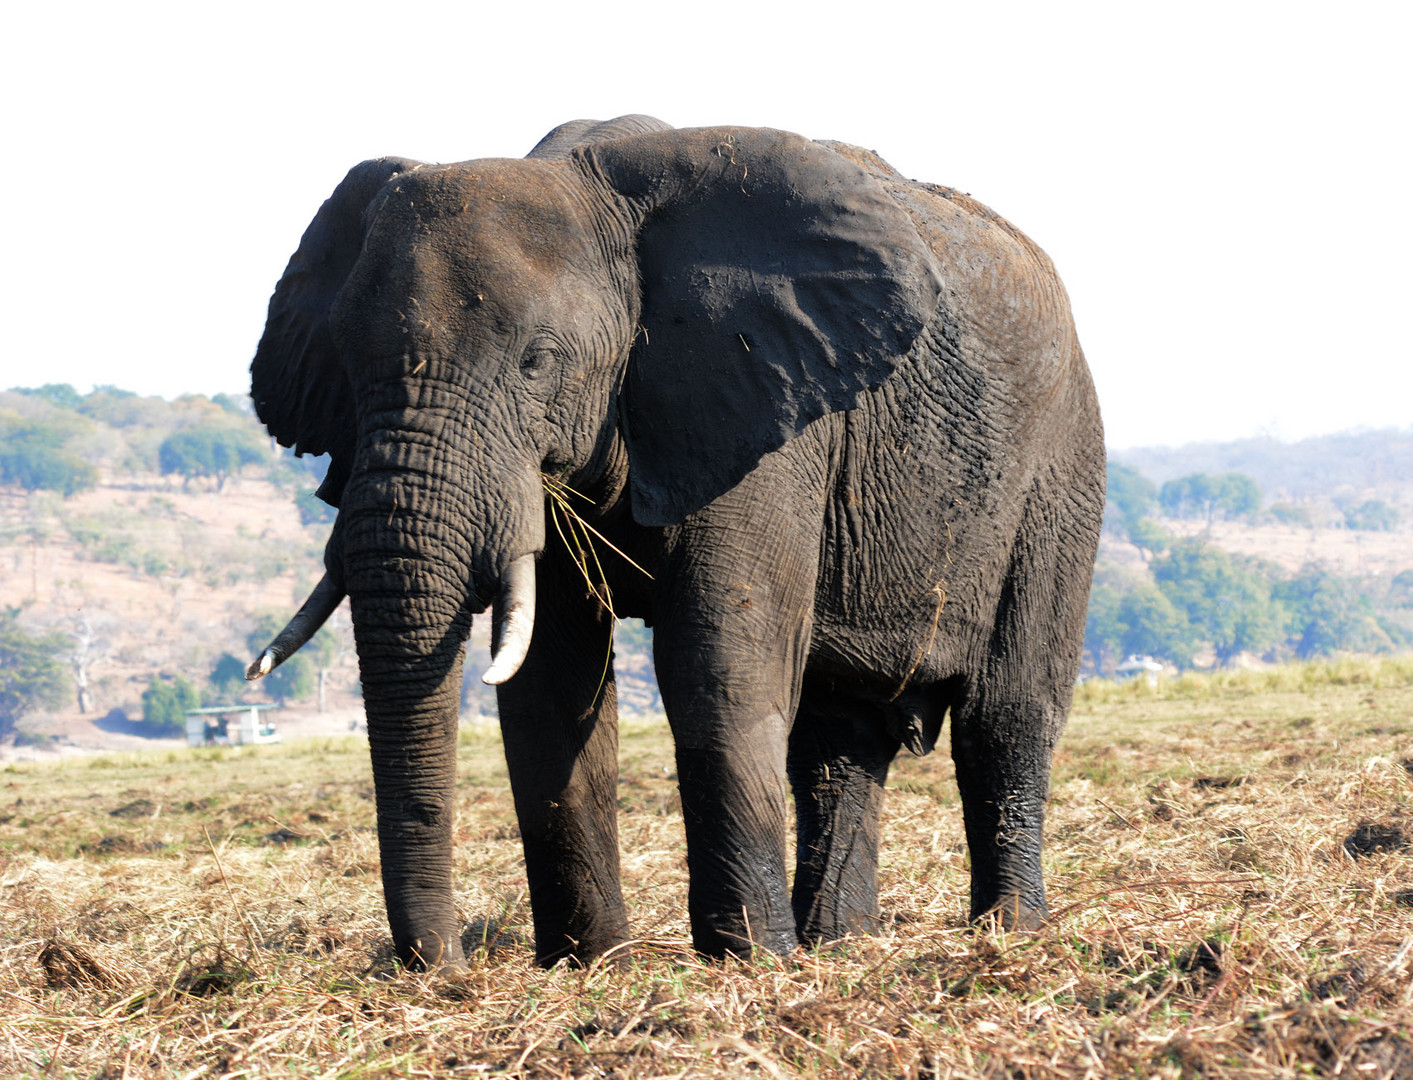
(841, 418)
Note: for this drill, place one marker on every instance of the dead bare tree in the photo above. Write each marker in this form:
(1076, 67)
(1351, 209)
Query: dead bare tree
(90, 646)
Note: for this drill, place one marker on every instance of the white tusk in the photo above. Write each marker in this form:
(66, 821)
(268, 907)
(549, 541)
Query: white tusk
(305, 624)
(514, 621)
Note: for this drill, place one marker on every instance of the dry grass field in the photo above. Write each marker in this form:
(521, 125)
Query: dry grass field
(1230, 861)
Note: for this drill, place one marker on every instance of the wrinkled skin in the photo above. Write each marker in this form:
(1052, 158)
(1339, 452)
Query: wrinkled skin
(840, 417)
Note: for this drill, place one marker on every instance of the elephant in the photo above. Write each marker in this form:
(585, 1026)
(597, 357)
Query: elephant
(830, 433)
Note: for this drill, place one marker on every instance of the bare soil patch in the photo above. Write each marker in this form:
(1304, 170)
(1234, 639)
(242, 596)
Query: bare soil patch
(1345, 551)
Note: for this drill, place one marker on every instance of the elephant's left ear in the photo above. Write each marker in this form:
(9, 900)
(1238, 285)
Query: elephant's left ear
(780, 282)
(297, 379)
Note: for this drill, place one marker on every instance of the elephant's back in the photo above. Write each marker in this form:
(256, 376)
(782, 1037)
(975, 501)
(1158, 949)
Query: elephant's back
(1001, 291)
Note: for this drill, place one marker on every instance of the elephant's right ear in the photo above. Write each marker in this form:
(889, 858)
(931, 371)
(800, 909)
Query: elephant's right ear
(297, 379)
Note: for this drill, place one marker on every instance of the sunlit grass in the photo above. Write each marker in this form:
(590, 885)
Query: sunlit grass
(1374, 672)
(1227, 859)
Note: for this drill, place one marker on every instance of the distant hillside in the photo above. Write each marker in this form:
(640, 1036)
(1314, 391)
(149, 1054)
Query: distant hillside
(1363, 464)
(1255, 549)
(156, 538)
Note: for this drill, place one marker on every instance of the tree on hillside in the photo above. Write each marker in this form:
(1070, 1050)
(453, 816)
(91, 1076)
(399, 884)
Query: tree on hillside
(1234, 495)
(227, 679)
(1292, 514)
(1331, 614)
(200, 451)
(1129, 498)
(1149, 537)
(1153, 626)
(1186, 495)
(1400, 589)
(1226, 599)
(35, 457)
(1238, 496)
(89, 645)
(1374, 515)
(235, 404)
(61, 394)
(32, 675)
(1103, 632)
(1129, 495)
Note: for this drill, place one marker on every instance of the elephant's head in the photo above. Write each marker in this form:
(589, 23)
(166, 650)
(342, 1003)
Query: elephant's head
(682, 301)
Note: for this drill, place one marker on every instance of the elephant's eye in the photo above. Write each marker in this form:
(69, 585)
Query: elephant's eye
(536, 359)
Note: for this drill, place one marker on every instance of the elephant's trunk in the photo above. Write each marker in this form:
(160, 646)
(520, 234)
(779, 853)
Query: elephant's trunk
(409, 629)
(428, 539)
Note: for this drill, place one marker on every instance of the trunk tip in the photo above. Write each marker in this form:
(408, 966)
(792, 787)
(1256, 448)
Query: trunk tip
(261, 666)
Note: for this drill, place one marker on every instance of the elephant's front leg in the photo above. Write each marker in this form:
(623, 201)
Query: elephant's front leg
(730, 645)
(559, 720)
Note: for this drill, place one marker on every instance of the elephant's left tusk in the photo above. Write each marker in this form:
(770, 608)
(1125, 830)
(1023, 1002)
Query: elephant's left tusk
(305, 624)
(514, 621)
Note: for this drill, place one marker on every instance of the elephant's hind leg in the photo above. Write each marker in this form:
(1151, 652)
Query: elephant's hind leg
(839, 756)
(1013, 710)
(559, 720)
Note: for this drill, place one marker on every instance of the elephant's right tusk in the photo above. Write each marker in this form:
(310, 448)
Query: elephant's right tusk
(514, 621)
(305, 624)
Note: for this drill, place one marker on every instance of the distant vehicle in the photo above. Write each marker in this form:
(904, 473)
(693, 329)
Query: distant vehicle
(1135, 666)
(213, 727)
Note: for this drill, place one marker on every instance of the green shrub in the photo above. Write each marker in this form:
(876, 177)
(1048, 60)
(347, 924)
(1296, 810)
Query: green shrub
(1375, 515)
(227, 678)
(31, 674)
(165, 703)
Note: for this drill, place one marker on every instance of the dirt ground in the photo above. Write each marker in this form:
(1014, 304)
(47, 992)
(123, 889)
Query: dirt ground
(1345, 551)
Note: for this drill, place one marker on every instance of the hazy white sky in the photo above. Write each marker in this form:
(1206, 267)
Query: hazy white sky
(1225, 187)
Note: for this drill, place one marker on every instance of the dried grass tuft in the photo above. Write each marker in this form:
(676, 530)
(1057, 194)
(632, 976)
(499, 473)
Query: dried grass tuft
(67, 964)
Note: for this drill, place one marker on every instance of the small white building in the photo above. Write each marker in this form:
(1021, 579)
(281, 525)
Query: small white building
(214, 726)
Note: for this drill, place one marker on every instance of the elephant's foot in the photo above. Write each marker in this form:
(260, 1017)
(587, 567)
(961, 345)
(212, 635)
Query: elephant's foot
(1014, 912)
(836, 892)
(581, 951)
(827, 922)
(734, 810)
(430, 951)
(721, 936)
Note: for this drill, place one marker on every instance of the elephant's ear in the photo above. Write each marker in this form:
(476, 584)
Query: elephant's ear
(297, 379)
(780, 281)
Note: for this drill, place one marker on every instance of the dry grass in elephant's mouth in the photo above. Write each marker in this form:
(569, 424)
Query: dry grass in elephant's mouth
(586, 545)
(1230, 863)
